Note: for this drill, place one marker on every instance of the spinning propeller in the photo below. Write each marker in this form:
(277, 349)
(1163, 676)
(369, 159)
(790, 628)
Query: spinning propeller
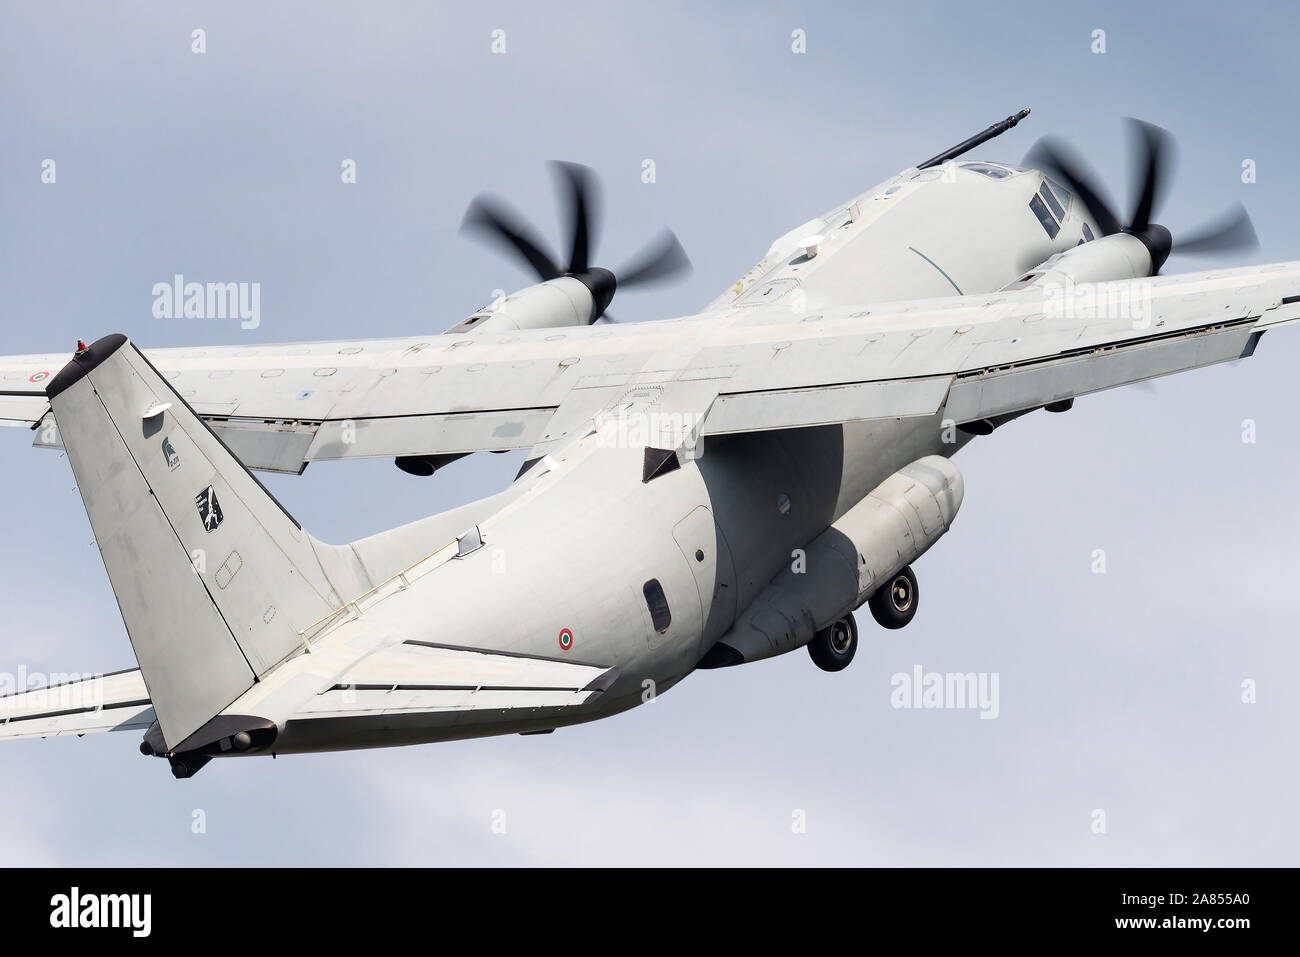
(1153, 158)
(660, 260)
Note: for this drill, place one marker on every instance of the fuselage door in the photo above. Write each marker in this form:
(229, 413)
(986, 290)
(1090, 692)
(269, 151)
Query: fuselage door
(710, 562)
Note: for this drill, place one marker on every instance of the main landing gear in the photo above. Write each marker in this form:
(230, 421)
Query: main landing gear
(833, 647)
(893, 606)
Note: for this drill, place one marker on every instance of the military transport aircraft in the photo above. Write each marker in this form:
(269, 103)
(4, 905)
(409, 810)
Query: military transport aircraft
(719, 488)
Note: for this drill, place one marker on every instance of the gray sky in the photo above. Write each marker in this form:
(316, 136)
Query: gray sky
(1119, 692)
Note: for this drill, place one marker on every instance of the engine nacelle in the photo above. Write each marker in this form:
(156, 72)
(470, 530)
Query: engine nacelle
(889, 529)
(566, 301)
(1110, 258)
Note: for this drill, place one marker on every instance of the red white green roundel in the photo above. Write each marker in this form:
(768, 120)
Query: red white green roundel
(38, 377)
(566, 639)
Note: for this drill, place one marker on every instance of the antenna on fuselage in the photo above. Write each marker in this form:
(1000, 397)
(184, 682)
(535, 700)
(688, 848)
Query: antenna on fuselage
(997, 129)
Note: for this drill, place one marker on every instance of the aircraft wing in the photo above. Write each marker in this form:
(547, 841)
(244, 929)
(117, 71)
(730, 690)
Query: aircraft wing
(974, 357)
(116, 702)
(280, 407)
(979, 357)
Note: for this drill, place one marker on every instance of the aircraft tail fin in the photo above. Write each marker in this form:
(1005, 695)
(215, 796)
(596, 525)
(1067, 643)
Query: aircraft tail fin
(214, 579)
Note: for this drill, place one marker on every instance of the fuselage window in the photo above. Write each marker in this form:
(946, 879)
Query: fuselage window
(1087, 232)
(657, 602)
(1057, 209)
(1044, 217)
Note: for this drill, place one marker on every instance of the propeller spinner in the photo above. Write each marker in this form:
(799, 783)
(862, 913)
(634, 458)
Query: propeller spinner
(1153, 158)
(661, 259)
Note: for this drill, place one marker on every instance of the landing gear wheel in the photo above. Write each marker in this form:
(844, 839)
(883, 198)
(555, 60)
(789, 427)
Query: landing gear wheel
(833, 647)
(895, 605)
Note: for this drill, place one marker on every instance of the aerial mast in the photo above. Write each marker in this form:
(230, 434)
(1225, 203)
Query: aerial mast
(997, 129)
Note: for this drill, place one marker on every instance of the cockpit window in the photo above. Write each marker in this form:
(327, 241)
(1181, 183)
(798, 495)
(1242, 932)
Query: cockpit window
(1061, 192)
(1044, 217)
(1058, 210)
(988, 169)
(1087, 232)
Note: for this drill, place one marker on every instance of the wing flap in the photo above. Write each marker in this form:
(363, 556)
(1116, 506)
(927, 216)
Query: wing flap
(995, 392)
(269, 446)
(493, 431)
(796, 408)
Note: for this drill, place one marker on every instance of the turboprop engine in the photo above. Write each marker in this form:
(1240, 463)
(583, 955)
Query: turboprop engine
(1119, 256)
(573, 291)
(848, 563)
(563, 301)
(1140, 247)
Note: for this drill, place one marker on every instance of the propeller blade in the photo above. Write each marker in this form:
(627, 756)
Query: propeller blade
(662, 259)
(496, 221)
(1231, 231)
(1055, 158)
(1153, 157)
(581, 204)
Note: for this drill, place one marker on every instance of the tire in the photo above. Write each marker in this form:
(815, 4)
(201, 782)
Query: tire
(894, 605)
(834, 646)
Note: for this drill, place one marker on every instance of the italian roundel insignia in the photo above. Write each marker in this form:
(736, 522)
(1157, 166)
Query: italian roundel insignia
(566, 639)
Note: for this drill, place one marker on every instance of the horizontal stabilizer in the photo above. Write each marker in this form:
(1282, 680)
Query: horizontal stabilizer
(116, 702)
(441, 692)
(22, 410)
(419, 676)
